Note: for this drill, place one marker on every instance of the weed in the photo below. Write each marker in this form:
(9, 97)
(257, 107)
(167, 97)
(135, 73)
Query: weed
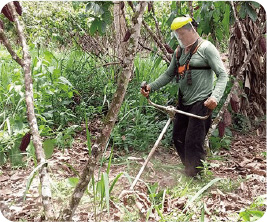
(241, 123)
(263, 154)
(217, 142)
(206, 173)
(255, 211)
(230, 184)
(64, 138)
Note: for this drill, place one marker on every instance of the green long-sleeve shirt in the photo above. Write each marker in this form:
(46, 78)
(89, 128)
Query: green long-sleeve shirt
(202, 80)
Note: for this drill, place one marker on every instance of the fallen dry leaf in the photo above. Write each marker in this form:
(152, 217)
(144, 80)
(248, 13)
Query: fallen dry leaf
(3, 178)
(17, 176)
(179, 202)
(245, 162)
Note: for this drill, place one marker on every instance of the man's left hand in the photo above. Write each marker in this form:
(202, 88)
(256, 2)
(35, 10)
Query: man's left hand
(211, 103)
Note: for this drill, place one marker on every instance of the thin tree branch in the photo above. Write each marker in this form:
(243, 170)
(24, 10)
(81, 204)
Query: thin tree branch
(157, 40)
(191, 10)
(37, 142)
(243, 37)
(9, 48)
(156, 23)
(112, 114)
(151, 50)
(108, 64)
(145, 47)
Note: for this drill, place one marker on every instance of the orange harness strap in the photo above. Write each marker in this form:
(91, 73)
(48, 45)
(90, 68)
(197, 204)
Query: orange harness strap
(182, 68)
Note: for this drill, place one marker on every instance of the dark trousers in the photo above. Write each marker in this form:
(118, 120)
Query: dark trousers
(189, 135)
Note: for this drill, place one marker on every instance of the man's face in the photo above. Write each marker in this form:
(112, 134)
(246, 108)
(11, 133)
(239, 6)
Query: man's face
(185, 36)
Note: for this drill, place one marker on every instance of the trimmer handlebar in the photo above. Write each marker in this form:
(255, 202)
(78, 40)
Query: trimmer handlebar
(144, 85)
(170, 109)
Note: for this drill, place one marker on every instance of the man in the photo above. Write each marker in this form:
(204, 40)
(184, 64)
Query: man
(194, 64)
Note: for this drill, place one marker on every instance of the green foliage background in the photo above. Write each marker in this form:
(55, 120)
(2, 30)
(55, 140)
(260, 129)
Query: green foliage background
(70, 84)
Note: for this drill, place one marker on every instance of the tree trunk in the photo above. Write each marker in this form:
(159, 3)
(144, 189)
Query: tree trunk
(109, 122)
(120, 28)
(25, 62)
(158, 40)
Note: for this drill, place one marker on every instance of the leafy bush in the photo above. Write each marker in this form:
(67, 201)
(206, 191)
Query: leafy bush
(13, 112)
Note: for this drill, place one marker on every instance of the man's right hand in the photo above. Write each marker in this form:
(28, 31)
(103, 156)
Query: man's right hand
(145, 91)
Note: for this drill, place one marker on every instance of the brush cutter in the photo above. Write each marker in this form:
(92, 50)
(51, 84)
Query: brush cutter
(171, 111)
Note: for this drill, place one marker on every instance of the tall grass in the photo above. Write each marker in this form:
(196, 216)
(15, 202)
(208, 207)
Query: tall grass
(12, 109)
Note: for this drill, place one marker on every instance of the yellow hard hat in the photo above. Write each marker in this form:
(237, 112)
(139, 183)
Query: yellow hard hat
(180, 22)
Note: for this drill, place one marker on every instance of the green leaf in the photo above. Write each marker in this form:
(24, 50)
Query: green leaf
(103, 27)
(48, 56)
(206, 25)
(75, 5)
(256, 213)
(31, 151)
(245, 215)
(170, 19)
(107, 18)
(88, 6)
(255, 4)
(158, 211)
(243, 12)
(2, 158)
(73, 181)
(251, 13)
(173, 5)
(153, 188)
(93, 27)
(219, 34)
(106, 183)
(48, 146)
(157, 62)
(226, 18)
(30, 178)
(57, 72)
(110, 158)
(51, 69)
(65, 81)
(216, 17)
(100, 187)
(97, 9)
(202, 213)
(15, 154)
(114, 182)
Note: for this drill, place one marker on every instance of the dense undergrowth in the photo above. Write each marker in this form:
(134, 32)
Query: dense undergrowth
(70, 86)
